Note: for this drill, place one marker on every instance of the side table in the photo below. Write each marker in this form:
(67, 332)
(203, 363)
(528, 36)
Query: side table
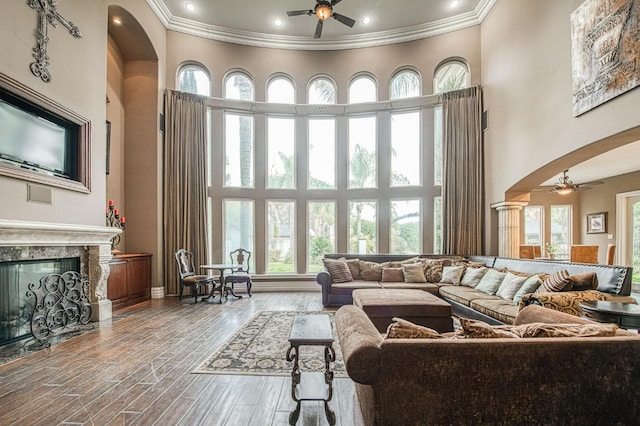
(626, 315)
(311, 330)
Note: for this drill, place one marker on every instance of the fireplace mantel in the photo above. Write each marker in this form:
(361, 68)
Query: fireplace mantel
(96, 239)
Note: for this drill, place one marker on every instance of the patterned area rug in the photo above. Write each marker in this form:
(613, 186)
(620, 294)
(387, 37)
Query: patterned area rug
(260, 348)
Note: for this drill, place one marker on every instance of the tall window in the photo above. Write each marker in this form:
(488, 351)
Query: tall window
(238, 86)
(363, 167)
(239, 151)
(437, 225)
(322, 91)
(193, 79)
(280, 90)
(281, 153)
(405, 226)
(239, 227)
(363, 229)
(281, 239)
(561, 228)
(321, 232)
(405, 84)
(362, 89)
(533, 225)
(405, 149)
(322, 153)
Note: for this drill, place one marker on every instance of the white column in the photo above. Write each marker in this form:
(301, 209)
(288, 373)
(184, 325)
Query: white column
(509, 227)
(99, 270)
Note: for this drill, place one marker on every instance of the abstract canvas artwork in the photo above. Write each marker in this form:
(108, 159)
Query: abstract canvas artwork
(605, 45)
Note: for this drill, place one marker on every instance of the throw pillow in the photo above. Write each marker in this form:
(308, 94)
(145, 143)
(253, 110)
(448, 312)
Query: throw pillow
(414, 273)
(338, 270)
(399, 263)
(490, 282)
(433, 270)
(472, 276)
(354, 267)
(403, 329)
(370, 271)
(539, 329)
(452, 274)
(393, 275)
(530, 285)
(588, 281)
(472, 329)
(510, 286)
(559, 281)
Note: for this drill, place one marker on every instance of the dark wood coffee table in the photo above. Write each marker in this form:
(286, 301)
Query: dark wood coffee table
(626, 315)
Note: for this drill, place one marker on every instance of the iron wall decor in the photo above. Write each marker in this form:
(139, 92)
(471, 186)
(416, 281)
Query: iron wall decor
(605, 51)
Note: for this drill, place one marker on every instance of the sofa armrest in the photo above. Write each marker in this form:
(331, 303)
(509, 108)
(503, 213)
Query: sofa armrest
(360, 343)
(324, 278)
(569, 301)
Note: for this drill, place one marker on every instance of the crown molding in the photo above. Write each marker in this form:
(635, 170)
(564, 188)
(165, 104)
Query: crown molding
(381, 38)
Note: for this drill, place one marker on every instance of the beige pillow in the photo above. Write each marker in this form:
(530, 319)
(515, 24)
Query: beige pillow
(559, 281)
(338, 270)
(394, 275)
(354, 267)
(370, 271)
(472, 276)
(403, 329)
(452, 274)
(414, 273)
(510, 286)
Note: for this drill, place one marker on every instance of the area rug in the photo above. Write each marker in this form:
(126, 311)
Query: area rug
(260, 348)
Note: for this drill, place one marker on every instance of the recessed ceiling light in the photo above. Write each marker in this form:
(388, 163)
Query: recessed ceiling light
(117, 20)
(455, 3)
(277, 22)
(190, 6)
(366, 20)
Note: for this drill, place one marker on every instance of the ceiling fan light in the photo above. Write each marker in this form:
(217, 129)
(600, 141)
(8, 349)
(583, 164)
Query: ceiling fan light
(323, 11)
(565, 191)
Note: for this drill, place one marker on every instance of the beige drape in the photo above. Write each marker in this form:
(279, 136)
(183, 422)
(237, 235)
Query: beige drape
(185, 181)
(463, 172)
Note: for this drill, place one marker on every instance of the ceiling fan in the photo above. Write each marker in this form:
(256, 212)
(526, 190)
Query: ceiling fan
(323, 10)
(566, 186)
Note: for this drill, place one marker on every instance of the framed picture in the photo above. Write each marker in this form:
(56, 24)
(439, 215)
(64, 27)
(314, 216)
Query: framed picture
(108, 145)
(597, 223)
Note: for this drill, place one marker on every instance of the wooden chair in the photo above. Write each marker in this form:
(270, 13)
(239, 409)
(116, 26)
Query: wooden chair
(240, 257)
(530, 252)
(584, 254)
(611, 251)
(188, 276)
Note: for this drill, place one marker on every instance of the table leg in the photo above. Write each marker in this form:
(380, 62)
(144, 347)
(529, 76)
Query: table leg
(292, 355)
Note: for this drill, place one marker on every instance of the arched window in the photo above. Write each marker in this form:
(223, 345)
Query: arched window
(451, 75)
(362, 89)
(194, 79)
(322, 91)
(405, 84)
(280, 90)
(238, 86)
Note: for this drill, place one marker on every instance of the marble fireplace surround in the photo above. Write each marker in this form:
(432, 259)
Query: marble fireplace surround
(39, 240)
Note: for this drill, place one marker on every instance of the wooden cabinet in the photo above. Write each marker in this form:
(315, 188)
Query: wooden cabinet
(130, 279)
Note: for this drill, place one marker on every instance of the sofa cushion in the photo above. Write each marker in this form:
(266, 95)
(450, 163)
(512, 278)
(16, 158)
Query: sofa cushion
(392, 275)
(413, 273)
(338, 270)
(558, 281)
(496, 307)
(530, 285)
(452, 274)
(510, 286)
(403, 329)
(490, 282)
(354, 267)
(433, 270)
(462, 294)
(588, 281)
(371, 271)
(472, 276)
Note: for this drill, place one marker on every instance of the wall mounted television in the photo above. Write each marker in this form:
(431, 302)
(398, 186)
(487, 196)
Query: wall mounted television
(41, 140)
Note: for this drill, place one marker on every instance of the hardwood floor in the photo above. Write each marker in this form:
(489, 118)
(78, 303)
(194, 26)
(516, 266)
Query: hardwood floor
(136, 371)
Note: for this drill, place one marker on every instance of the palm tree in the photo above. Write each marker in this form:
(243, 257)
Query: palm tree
(245, 90)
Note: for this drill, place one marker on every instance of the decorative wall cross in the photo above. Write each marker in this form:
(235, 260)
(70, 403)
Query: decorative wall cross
(47, 14)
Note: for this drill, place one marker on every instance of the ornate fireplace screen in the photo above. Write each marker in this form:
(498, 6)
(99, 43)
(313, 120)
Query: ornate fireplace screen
(58, 304)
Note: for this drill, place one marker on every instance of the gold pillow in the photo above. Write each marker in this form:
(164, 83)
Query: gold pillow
(371, 271)
(414, 273)
(354, 267)
(403, 329)
(394, 275)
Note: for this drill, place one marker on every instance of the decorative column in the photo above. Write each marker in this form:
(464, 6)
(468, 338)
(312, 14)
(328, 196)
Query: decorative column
(99, 270)
(509, 227)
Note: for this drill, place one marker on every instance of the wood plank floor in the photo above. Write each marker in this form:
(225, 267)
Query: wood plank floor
(136, 371)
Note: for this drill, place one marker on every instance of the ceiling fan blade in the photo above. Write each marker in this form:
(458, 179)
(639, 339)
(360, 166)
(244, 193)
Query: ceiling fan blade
(318, 29)
(590, 183)
(300, 12)
(344, 19)
(334, 2)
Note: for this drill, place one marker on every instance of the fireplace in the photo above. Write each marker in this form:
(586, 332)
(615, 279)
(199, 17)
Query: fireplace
(15, 307)
(23, 242)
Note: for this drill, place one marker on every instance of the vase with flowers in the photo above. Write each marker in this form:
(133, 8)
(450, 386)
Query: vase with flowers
(551, 250)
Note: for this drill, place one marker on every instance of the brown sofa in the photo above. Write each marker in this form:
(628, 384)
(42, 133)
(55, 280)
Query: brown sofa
(614, 283)
(568, 381)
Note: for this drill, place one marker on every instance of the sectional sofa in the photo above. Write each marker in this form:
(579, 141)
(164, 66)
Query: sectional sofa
(609, 283)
